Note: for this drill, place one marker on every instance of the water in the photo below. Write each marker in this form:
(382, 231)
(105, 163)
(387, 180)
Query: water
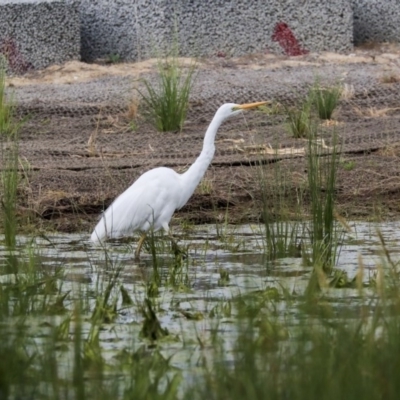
(202, 303)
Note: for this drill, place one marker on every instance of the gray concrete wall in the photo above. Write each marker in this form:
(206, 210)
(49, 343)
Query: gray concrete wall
(122, 27)
(376, 21)
(37, 33)
(135, 29)
(247, 26)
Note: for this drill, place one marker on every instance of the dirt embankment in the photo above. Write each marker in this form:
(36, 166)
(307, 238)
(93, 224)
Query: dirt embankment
(84, 142)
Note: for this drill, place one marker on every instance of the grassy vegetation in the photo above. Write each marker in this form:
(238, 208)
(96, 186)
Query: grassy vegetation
(285, 209)
(325, 99)
(321, 101)
(9, 184)
(9, 177)
(322, 171)
(299, 119)
(281, 211)
(57, 336)
(326, 360)
(6, 108)
(166, 99)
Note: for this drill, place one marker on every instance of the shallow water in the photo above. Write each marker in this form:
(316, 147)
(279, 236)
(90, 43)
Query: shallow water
(199, 305)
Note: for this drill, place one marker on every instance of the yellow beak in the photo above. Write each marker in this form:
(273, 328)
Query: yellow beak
(251, 105)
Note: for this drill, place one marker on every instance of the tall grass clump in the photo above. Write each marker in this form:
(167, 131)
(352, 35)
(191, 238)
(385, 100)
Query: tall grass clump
(325, 100)
(322, 173)
(299, 120)
(9, 165)
(167, 99)
(280, 214)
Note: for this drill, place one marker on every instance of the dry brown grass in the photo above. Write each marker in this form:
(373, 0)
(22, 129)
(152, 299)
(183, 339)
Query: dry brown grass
(373, 112)
(112, 123)
(133, 109)
(53, 196)
(391, 77)
(331, 122)
(348, 92)
(91, 145)
(392, 150)
(206, 186)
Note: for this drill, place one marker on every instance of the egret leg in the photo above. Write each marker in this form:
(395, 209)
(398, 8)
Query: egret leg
(176, 249)
(139, 246)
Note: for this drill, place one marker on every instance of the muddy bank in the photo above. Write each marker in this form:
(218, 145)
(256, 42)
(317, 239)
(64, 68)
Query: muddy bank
(84, 141)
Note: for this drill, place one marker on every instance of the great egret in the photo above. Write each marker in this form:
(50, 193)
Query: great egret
(152, 199)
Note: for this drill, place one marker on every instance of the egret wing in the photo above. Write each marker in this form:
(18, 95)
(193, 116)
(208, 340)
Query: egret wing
(150, 201)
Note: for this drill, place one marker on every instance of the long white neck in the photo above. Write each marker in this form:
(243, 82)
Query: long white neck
(195, 173)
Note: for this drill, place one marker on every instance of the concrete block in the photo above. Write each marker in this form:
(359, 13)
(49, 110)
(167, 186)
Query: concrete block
(37, 33)
(278, 26)
(376, 21)
(135, 29)
(130, 29)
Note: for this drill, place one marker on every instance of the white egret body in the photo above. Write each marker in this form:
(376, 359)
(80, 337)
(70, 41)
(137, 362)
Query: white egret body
(153, 198)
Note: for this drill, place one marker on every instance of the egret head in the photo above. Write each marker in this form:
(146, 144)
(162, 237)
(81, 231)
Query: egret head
(230, 109)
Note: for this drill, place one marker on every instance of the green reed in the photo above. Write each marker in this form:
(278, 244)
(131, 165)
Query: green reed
(167, 99)
(322, 166)
(325, 100)
(347, 352)
(285, 345)
(9, 177)
(299, 119)
(280, 210)
(325, 362)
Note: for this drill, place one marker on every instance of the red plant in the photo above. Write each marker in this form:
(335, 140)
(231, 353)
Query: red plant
(221, 54)
(15, 60)
(286, 39)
